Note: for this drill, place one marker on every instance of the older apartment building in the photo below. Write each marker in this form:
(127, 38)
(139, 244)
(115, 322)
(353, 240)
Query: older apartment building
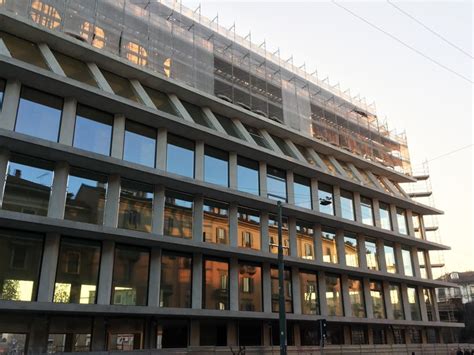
(143, 150)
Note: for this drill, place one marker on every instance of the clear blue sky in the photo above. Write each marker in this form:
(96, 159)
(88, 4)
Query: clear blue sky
(431, 104)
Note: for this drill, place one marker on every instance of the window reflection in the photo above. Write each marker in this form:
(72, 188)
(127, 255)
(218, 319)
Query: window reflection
(350, 246)
(276, 184)
(93, 130)
(309, 293)
(329, 244)
(414, 303)
(216, 284)
(175, 287)
(407, 262)
(305, 240)
(367, 211)
(250, 287)
(180, 156)
(247, 176)
(216, 222)
(216, 166)
(347, 205)
(396, 301)
(45, 14)
(402, 221)
(248, 228)
(288, 292)
(139, 144)
(385, 219)
(136, 206)
(390, 260)
(326, 198)
(378, 303)
(333, 295)
(136, 53)
(302, 188)
(371, 255)
(356, 295)
(178, 215)
(273, 235)
(95, 35)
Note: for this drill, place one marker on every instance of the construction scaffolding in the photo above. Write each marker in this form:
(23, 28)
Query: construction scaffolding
(168, 38)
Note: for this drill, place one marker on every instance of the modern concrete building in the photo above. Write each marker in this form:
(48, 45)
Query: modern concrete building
(142, 152)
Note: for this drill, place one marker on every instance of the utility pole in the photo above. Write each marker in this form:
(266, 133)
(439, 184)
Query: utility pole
(281, 288)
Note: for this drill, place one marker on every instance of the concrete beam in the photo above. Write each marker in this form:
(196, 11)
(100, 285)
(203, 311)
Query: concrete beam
(271, 142)
(314, 194)
(118, 136)
(319, 162)
(292, 235)
(337, 201)
(99, 78)
(267, 288)
(340, 170)
(178, 105)
(112, 201)
(212, 120)
(357, 207)
(346, 299)
(57, 200)
(50, 59)
(199, 161)
(233, 170)
(292, 147)
(161, 148)
(356, 172)
(242, 131)
(264, 231)
(141, 93)
(369, 309)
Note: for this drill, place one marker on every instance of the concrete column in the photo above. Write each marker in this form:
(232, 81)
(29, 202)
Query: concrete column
(4, 157)
(199, 161)
(57, 200)
(161, 149)
(406, 305)
(341, 250)
(398, 258)
(99, 334)
(393, 217)
(295, 287)
(194, 333)
(38, 335)
(198, 218)
(318, 243)
(429, 271)
(48, 267)
(197, 281)
(233, 170)
(361, 251)
(434, 306)
(232, 330)
(104, 289)
(155, 278)
(376, 211)
(357, 207)
(290, 187)
(50, 59)
(415, 262)
(178, 105)
(141, 93)
(340, 170)
(421, 300)
(233, 224)
(99, 78)
(112, 201)
(68, 121)
(411, 228)
(292, 235)
(367, 299)
(267, 288)
(337, 201)
(381, 255)
(264, 231)
(11, 100)
(346, 300)
(387, 300)
(234, 283)
(118, 136)
(241, 131)
(158, 216)
(262, 176)
(314, 194)
(212, 119)
(323, 304)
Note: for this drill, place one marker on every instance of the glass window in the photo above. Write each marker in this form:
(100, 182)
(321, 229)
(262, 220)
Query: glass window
(68, 342)
(161, 101)
(402, 221)
(396, 301)
(250, 287)
(24, 50)
(93, 131)
(276, 184)
(378, 303)
(367, 211)
(390, 259)
(422, 263)
(347, 205)
(352, 255)
(13, 343)
(328, 237)
(273, 234)
(78, 271)
(28, 185)
(180, 156)
(257, 137)
(305, 240)
(407, 262)
(414, 303)
(247, 176)
(216, 222)
(302, 187)
(176, 282)
(288, 292)
(75, 69)
(20, 266)
(326, 198)
(385, 219)
(334, 295)
(120, 85)
(216, 284)
(371, 255)
(39, 114)
(228, 126)
(248, 228)
(428, 299)
(216, 166)
(130, 278)
(417, 225)
(139, 144)
(282, 145)
(196, 114)
(359, 335)
(178, 215)
(309, 292)
(85, 198)
(136, 206)
(356, 295)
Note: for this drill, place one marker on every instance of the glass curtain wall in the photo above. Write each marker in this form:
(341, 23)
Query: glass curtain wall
(273, 235)
(216, 284)
(328, 237)
(136, 206)
(334, 295)
(305, 240)
(248, 176)
(250, 287)
(309, 292)
(248, 228)
(216, 222)
(178, 215)
(175, 286)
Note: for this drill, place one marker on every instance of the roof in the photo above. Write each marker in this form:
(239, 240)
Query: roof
(458, 277)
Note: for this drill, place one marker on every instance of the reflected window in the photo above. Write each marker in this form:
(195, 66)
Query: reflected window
(248, 228)
(180, 156)
(75, 69)
(247, 176)
(414, 303)
(85, 198)
(328, 238)
(39, 114)
(136, 53)
(216, 222)
(20, 266)
(305, 240)
(95, 35)
(216, 166)
(175, 287)
(356, 295)
(28, 185)
(385, 219)
(371, 255)
(350, 246)
(390, 259)
(302, 189)
(276, 184)
(288, 292)
(334, 295)
(378, 303)
(326, 198)
(396, 301)
(78, 271)
(250, 287)
(273, 234)
(309, 292)
(407, 262)
(178, 215)
(130, 277)
(216, 284)
(367, 211)
(417, 225)
(402, 221)
(45, 15)
(93, 130)
(347, 205)
(136, 206)
(139, 144)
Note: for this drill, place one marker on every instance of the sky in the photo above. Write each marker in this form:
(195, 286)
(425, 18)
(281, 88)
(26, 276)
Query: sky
(433, 105)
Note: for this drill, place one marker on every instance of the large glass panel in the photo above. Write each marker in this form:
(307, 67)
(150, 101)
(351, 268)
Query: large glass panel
(78, 271)
(216, 166)
(350, 246)
(248, 228)
(85, 198)
(309, 293)
(378, 303)
(371, 255)
(276, 184)
(329, 244)
(139, 144)
(402, 221)
(130, 278)
(247, 176)
(28, 186)
(305, 240)
(216, 284)
(120, 85)
(302, 187)
(390, 259)
(20, 263)
(68, 342)
(347, 205)
(13, 343)
(288, 292)
(39, 114)
(414, 303)
(356, 295)
(422, 263)
(75, 69)
(407, 262)
(250, 287)
(326, 198)
(178, 215)
(180, 156)
(367, 211)
(161, 101)
(273, 235)
(216, 222)
(93, 131)
(23, 50)
(334, 295)
(136, 206)
(396, 301)
(385, 219)
(428, 299)
(175, 287)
